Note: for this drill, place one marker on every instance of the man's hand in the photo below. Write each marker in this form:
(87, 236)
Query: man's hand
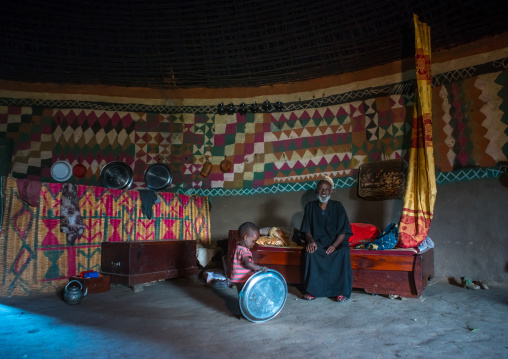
(330, 249)
(311, 247)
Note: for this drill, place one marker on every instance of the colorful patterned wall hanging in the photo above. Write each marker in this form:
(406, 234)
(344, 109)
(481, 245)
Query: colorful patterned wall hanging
(36, 257)
(270, 152)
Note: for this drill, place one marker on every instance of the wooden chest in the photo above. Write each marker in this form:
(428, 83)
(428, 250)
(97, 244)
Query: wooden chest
(396, 272)
(134, 263)
(94, 285)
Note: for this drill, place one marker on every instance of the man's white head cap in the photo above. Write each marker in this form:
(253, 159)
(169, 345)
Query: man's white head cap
(329, 180)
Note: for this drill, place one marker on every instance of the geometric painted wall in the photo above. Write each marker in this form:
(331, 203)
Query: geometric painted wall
(273, 151)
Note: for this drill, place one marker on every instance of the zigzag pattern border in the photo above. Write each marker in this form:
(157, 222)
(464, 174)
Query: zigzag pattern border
(343, 182)
(402, 88)
(467, 72)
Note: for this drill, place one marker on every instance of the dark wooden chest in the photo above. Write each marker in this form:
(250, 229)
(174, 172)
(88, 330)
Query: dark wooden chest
(134, 263)
(393, 272)
(94, 285)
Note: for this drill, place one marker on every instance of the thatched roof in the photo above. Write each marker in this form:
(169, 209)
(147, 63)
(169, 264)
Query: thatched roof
(184, 44)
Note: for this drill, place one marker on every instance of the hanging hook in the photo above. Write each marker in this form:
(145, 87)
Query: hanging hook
(382, 153)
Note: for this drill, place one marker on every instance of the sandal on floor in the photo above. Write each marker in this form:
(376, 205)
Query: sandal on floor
(341, 299)
(482, 284)
(308, 297)
(470, 285)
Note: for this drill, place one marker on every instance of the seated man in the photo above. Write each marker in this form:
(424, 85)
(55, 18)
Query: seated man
(328, 271)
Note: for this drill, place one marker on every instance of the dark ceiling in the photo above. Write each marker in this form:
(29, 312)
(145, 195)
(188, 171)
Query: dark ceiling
(213, 44)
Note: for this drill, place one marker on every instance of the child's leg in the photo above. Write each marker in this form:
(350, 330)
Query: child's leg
(239, 286)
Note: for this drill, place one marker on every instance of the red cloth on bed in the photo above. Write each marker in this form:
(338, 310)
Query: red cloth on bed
(363, 233)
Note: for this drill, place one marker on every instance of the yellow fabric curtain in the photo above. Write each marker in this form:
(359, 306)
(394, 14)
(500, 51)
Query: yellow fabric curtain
(421, 189)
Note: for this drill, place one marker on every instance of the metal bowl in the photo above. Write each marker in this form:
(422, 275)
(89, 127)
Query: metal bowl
(263, 296)
(158, 176)
(116, 175)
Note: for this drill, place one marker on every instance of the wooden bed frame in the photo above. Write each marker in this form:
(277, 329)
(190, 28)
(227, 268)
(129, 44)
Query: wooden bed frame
(393, 272)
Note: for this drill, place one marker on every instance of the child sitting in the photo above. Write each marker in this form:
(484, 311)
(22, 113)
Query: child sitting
(243, 267)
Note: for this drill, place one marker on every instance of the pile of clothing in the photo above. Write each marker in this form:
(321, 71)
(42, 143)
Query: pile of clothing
(276, 236)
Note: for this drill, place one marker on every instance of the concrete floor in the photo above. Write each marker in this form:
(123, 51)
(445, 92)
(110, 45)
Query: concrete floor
(184, 319)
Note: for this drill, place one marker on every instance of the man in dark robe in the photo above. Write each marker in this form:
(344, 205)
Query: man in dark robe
(328, 271)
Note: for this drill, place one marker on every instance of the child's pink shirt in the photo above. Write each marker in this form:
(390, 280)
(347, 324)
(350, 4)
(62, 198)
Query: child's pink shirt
(239, 273)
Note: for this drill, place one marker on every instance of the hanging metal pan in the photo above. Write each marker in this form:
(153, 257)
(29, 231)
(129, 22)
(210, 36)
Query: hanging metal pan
(158, 176)
(116, 175)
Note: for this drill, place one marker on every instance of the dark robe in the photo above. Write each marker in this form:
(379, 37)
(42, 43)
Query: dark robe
(327, 275)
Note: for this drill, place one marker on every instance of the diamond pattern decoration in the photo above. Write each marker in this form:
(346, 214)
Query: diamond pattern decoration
(333, 134)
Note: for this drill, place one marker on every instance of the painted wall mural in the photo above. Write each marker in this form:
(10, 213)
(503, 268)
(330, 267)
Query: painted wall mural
(270, 152)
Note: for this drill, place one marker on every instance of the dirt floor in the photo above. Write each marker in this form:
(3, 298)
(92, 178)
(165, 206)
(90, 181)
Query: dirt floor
(184, 319)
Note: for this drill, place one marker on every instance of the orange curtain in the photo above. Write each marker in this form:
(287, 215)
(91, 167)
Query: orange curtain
(421, 189)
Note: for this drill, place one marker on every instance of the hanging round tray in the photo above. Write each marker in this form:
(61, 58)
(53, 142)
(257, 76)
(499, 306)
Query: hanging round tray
(116, 175)
(158, 176)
